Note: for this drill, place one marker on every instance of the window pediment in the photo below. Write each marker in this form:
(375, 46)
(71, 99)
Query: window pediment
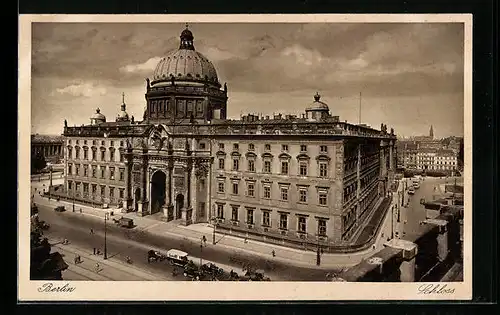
(235, 154)
(251, 155)
(323, 157)
(284, 156)
(103, 149)
(220, 153)
(267, 155)
(303, 156)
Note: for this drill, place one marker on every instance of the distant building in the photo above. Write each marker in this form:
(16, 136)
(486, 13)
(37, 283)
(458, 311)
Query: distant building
(50, 146)
(436, 160)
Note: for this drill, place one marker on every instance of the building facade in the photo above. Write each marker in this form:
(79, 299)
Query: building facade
(50, 146)
(312, 178)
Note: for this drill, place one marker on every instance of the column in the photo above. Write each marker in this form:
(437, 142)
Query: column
(442, 237)
(208, 206)
(194, 195)
(127, 193)
(409, 252)
(391, 156)
(167, 193)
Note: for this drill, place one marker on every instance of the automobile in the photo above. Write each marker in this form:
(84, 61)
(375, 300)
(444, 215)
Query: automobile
(416, 185)
(154, 255)
(192, 271)
(124, 222)
(411, 191)
(212, 269)
(177, 257)
(60, 209)
(255, 275)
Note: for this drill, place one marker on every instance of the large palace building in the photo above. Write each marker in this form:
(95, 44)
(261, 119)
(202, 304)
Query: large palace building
(311, 178)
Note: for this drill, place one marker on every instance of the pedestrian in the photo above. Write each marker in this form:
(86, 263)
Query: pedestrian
(80, 210)
(204, 240)
(91, 229)
(246, 240)
(97, 267)
(274, 253)
(94, 250)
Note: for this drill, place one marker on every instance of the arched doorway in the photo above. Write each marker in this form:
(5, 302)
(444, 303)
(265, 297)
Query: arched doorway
(179, 204)
(157, 191)
(137, 197)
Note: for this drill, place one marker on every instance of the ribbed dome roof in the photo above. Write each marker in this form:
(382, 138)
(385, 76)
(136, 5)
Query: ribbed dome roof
(317, 105)
(185, 64)
(98, 115)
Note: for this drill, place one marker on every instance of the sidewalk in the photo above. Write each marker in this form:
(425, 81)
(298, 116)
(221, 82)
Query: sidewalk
(110, 269)
(226, 242)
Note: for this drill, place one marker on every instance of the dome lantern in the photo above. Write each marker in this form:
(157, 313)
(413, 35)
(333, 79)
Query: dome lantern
(97, 118)
(123, 115)
(187, 39)
(317, 110)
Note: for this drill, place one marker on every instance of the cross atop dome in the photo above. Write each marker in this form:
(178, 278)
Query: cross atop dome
(317, 97)
(123, 97)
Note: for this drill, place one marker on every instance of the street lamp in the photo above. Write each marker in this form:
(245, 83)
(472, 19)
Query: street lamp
(106, 218)
(318, 253)
(214, 218)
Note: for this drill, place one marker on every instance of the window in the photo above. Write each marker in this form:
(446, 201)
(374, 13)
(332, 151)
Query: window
(220, 211)
(236, 164)
(70, 152)
(103, 171)
(77, 152)
(122, 156)
(251, 147)
(202, 145)
(303, 195)
(251, 189)
(267, 166)
(221, 146)
(103, 191)
(69, 185)
(77, 141)
(235, 188)
(236, 146)
(322, 198)
(284, 147)
(284, 167)
(77, 169)
(323, 148)
(221, 164)
(69, 141)
(322, 227)
(94, 171)
(323, 169)
(77, 187)
(102, 142)
(266, 218)
(221, 187)
(267, 192)
(122, 193)
(251, 165)
(284, 193)
(121, 143)
(234, 214)
(94, 153)
(202, 183)
(303, 148)
(85, 189)
(267, 147)
(85, 153)
(112, 193)
(84, 141)
(103, 154)
(122, 174)
(112, 143)
(112, 154)
(303, 168)
(94, 190)
(302, 225)
(283, 221)
(111, 173)
(70, 169)
(250, 216)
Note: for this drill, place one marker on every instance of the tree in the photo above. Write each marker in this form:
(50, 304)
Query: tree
(37, 162)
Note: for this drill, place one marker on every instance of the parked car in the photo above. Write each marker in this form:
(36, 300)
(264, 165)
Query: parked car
(60, 209)
(256, 275)
(416, 185)
(212, 269)
(154, 255)
(192, 271)
(177, 257)
(411, 191)
(124, 222)
(43, 225)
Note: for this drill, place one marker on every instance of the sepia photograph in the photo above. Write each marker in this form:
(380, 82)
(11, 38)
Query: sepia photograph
(323, 155)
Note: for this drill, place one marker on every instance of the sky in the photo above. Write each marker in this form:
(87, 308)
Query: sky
(410, 76)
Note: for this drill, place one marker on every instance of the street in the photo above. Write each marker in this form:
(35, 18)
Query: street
(122, 242)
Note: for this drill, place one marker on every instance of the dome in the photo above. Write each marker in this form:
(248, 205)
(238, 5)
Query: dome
(185, 64)
(98, 116)
(122, 115)
(317, 105)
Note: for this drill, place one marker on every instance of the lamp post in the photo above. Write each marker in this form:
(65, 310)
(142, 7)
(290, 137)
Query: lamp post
(105, 243)
(201, 251)
(73, 199)
(318, 253)
(214, 218)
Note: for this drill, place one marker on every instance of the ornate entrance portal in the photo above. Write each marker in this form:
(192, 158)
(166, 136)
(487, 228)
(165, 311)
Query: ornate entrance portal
(158, 191)
(179, 204)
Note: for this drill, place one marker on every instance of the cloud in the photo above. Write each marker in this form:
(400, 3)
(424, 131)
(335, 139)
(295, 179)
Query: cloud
(148, 66)
(86, 89)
